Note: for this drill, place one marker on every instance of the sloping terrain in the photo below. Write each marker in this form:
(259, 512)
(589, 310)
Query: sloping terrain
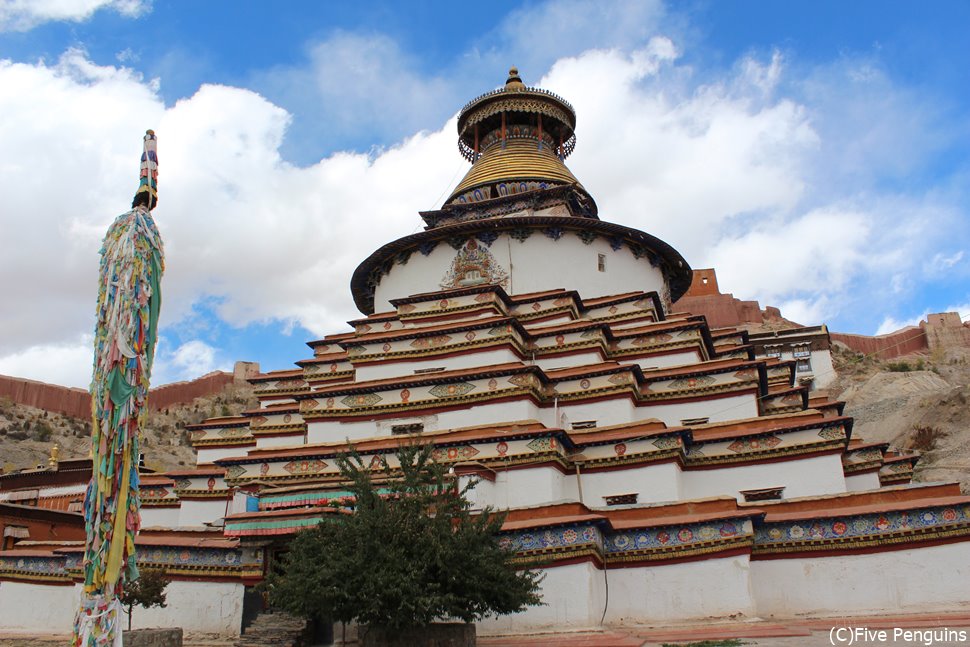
(920, 403)
(27, 434)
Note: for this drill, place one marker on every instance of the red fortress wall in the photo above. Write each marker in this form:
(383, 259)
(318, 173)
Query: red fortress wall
(76, 403)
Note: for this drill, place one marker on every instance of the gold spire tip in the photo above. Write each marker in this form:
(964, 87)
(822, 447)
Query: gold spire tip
(514, 81)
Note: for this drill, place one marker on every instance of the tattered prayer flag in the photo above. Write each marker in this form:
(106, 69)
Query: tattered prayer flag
(129, 299)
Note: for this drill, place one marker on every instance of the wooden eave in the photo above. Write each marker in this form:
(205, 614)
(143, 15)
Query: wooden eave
(326, 358)
(432, 331)
(271, 376)
(199, 471)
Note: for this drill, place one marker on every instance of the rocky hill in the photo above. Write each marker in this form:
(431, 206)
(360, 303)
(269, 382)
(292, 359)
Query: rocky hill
(919, 402)
(27, 433)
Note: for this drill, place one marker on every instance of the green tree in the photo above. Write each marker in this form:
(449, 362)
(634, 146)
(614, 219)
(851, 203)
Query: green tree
(411, 552)
(147, 591)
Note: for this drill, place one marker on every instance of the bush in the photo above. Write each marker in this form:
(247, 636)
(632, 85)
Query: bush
(899, 367)
(147, 591)
(406, 556)
(924, 438)
(42, 432)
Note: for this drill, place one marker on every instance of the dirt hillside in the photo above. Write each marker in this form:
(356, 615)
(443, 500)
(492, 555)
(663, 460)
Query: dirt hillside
(920, 403)
(27, 433)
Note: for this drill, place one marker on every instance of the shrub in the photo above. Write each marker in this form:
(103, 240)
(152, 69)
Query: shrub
(899, 367)
(42, 432)
(146, 591)
(924, 438)
(407, 555)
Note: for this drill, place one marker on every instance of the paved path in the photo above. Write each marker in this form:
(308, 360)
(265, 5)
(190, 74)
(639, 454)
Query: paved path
(793, 633)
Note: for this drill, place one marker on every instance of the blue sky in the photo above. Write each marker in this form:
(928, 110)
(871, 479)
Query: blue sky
(815, 153)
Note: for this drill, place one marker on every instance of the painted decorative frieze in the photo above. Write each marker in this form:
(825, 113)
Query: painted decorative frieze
(781, 442)
(280, 387)
(327, 371)
(269, 423)
(666, 542)
(833, 532)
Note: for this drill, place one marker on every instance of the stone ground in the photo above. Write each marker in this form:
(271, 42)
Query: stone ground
(795, 633)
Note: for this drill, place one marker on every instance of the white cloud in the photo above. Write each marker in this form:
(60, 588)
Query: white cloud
(891, 324)
(802, 253)
(69, 363)
(730, 173)
(359, 85)
(186, 362)
(941, 262)
(355, 85)
(264, 239)
(23, 15)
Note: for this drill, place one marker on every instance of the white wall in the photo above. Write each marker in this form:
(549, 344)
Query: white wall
(159, 517)
(680, 358)
(535, 265)
(800, 477)
(723, 409)
(194, 513)
(931, 579)
(522, 488)
(209, 455)
(526, 487)
(262, 442)
(654, 484)
(475, 414)
(37, 607)
(579, 359)
(712, 588)
(822, 369)
(573, 597)
(605, 412)
(861, 482)
(483, 494)
(203, 607)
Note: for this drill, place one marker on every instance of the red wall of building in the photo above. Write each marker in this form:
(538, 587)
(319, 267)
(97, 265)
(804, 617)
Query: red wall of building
(55, 527)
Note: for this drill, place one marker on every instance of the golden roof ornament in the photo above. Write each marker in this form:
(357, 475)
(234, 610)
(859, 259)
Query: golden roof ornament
(517, 138)
(514, 82)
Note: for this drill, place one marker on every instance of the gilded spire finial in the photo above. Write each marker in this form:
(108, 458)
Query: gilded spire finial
(514, 81)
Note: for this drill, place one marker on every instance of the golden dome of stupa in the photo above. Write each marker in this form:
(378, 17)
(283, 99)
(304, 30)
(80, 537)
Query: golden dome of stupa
(516, 138)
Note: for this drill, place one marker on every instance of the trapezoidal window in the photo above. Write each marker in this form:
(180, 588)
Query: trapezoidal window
(413, 428)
